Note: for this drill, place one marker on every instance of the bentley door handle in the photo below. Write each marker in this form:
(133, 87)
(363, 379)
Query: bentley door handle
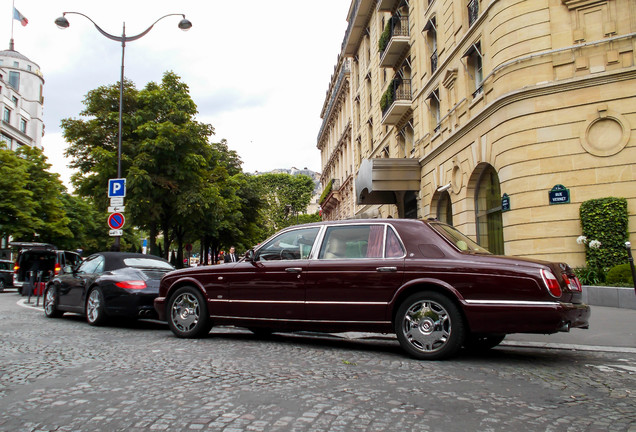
(293, 269)
(386, 269)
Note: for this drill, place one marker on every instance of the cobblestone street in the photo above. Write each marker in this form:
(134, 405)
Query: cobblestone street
(64, 375)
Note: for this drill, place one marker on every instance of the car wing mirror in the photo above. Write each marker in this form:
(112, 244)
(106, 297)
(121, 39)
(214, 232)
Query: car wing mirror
(249, 255)
(67, 269)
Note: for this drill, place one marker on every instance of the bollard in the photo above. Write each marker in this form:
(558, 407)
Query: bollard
(630, 258)
(30, 287)
(39, 281)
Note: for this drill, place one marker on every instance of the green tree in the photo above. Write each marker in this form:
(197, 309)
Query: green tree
(30, 197)
(87, 225)
(46, 189)
(17, 207)
(169, 167)
(286, 196)
(93, 141)
(180, 187)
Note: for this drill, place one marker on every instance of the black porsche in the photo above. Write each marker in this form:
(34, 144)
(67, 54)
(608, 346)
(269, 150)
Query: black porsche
(107, 284)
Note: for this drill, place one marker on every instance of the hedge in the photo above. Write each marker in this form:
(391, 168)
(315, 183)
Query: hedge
(605, 220)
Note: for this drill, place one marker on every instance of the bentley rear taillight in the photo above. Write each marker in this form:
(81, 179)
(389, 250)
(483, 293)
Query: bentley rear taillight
(572, 283)
(551, 282)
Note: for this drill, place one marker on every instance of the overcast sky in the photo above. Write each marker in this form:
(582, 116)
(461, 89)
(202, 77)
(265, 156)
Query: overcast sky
(257, 70)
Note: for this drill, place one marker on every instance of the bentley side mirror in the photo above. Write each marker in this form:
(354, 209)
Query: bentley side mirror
(249, 255)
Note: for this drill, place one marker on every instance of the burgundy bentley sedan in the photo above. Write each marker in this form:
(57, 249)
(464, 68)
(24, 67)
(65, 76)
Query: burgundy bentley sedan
(435, 288)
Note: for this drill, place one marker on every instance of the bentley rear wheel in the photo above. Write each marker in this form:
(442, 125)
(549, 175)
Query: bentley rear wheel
(429, 326)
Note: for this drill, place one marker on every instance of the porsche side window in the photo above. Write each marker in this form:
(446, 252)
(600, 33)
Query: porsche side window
(91, 265)
(290, 245)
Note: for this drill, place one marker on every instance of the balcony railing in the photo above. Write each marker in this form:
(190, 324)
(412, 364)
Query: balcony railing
(396, 100)
(394, 41)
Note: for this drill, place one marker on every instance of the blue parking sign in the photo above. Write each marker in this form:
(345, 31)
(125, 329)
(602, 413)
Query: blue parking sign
(116, 188)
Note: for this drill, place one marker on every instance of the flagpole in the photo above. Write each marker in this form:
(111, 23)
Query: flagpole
(12, 19)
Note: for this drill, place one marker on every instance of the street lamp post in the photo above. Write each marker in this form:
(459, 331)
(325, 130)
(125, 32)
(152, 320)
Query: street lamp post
(63, 23)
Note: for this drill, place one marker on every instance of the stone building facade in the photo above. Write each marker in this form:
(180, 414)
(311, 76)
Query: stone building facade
(498, 116)
(21, 100)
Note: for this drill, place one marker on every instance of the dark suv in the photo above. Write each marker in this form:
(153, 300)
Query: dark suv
(6, 274)
(44, 257)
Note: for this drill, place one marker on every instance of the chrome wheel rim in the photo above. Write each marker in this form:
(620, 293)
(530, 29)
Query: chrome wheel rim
(49, 301)
(185, 312)
(427, 326)
(92, 308)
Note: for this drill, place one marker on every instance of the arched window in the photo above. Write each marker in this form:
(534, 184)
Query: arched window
(445, 208)
(488, 212)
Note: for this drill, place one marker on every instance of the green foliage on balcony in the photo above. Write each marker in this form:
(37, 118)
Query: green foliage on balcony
(325, 193)
(385, 37)
(388, 97)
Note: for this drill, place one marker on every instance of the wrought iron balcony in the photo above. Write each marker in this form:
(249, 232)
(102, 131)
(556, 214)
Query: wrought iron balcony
(394, 41)
(396, 101)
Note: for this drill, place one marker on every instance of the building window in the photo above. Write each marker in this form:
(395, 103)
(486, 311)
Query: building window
(406, 139)
(6, 115)
(473, 11)
(369, 96)
(28, 67)
(474, 59)
(23, 125)
(16, 64)
(7, 140)
(431, 41)
(14, 80)
(488, 212)
(445, 208)
(434, 103)
(14, 100)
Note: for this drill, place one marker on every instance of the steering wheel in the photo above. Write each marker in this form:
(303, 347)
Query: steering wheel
(286, 254)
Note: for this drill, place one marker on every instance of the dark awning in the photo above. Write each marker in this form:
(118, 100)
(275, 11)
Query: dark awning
(378, 180)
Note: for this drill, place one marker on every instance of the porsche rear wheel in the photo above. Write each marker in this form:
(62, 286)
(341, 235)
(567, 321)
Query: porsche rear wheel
(50, 303)
(95, 314)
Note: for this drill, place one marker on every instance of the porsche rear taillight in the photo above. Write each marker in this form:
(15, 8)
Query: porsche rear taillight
(16, 268)
(131, 284)
(551, 282)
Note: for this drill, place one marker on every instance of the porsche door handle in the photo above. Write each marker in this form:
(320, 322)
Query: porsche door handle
(294, 270)
(386, 269)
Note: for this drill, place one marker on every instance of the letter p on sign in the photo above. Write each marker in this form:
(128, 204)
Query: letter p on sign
(116, 188)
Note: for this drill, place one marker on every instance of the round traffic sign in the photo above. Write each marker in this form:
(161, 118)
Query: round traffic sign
(116, 221)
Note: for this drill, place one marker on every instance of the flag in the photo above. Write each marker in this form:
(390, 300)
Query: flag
(18, 16)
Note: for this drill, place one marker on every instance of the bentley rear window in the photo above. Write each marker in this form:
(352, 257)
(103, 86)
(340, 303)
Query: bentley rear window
(460, 241)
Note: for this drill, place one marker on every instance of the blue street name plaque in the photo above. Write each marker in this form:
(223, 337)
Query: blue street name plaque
(505, 203)
(559, 194)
